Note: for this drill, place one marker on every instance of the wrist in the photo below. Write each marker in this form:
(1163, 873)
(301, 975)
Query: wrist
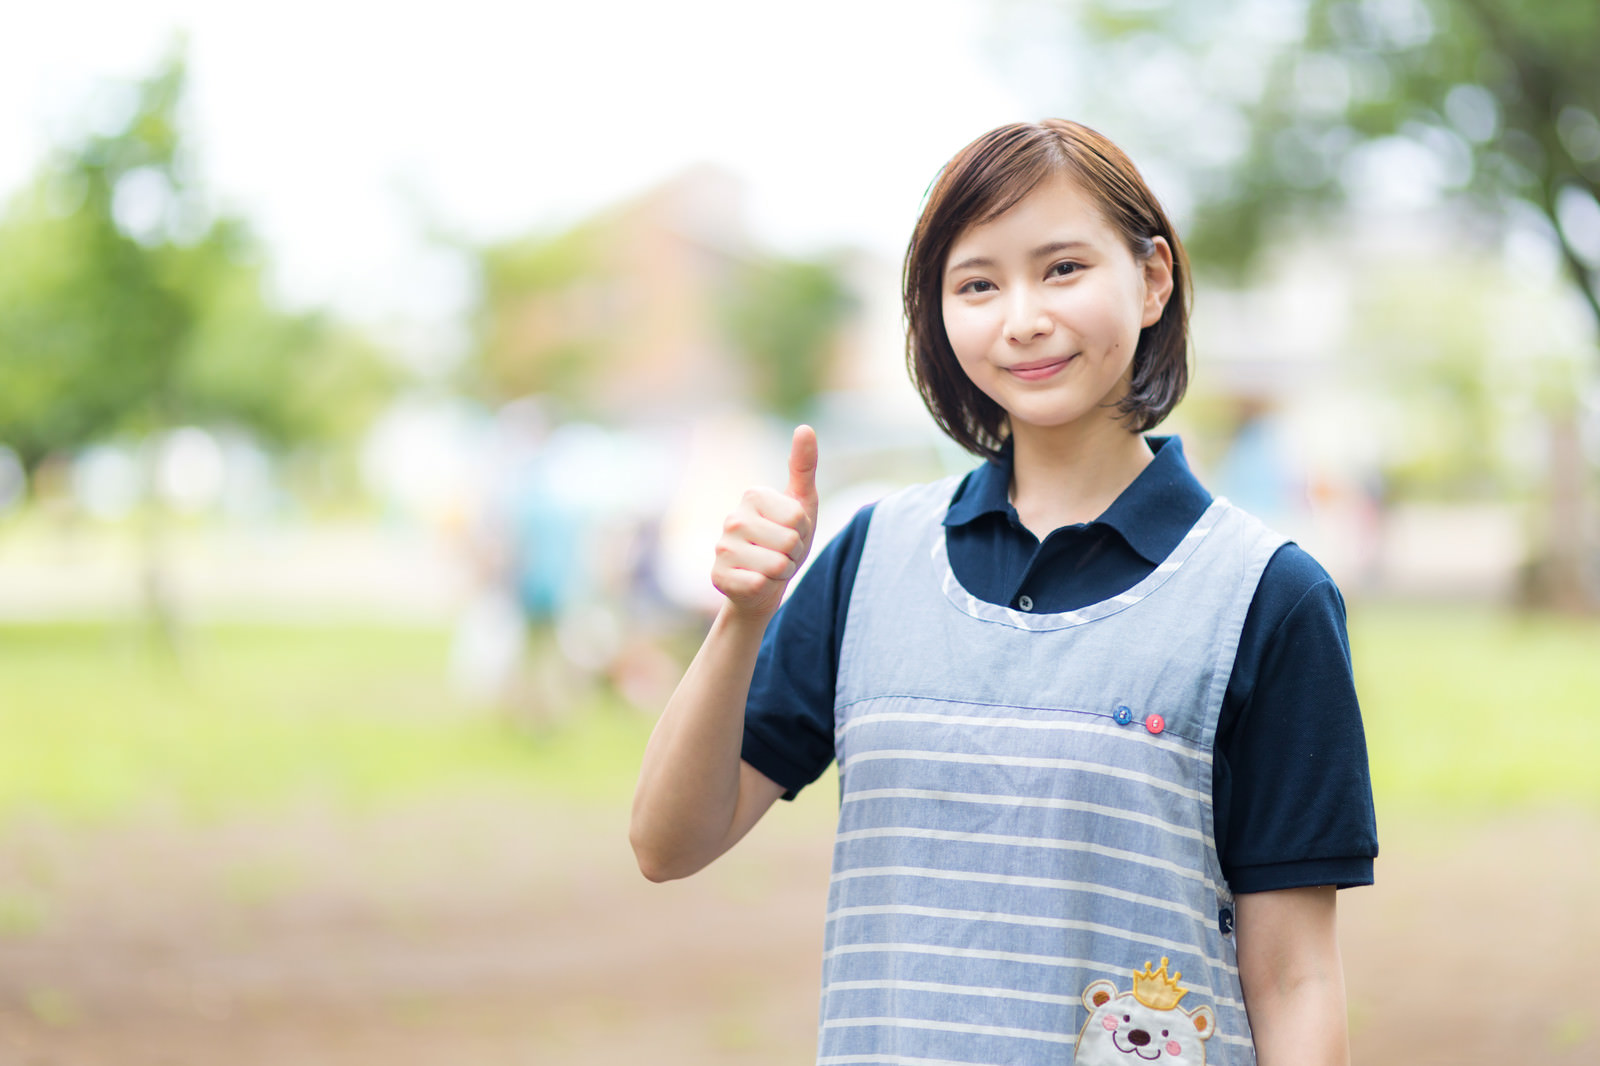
(735, 621)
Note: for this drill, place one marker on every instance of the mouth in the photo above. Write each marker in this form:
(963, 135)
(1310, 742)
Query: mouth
(1155, 1053)
(1039, 369)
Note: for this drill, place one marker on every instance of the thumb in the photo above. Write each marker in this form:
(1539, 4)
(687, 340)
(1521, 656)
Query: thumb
(803, 469)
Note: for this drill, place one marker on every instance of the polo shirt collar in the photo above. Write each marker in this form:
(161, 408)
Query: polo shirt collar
(1152, 514)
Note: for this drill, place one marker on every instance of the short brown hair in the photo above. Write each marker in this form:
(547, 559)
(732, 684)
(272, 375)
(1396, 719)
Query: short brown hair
(983, 181)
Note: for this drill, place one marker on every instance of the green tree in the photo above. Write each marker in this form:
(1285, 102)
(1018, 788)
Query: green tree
(127, 307)
(784, 316)
(541, 328)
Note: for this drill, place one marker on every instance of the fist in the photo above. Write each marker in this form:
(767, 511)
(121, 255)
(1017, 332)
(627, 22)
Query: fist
(768, 535)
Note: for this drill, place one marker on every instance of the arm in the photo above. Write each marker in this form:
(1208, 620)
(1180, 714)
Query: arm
(696, 798)
(1293, 977)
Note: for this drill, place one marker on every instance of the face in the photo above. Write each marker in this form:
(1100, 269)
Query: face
(1043, 306)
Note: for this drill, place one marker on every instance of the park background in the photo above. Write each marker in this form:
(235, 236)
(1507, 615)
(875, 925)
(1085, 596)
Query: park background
(373, 381)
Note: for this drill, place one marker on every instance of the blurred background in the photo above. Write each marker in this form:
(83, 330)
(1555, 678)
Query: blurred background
(374, 380)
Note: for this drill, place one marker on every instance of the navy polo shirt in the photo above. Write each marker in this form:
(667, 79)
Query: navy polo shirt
(1292, 793)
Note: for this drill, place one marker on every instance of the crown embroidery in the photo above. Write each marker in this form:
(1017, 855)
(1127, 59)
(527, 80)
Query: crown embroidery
(1155, 989)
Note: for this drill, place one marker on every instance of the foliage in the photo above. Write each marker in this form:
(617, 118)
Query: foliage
(540, 321)
(1274, 109)
(784, 317)
(127, 306)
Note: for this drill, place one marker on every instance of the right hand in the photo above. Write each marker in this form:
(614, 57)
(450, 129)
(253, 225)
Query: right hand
(768, 535)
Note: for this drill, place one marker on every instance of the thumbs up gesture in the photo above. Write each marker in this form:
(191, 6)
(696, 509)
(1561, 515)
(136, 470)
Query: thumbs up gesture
(768, 535)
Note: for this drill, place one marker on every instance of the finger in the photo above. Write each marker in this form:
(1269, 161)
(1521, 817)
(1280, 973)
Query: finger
(786, 533)
(748, 570)
(803, 468)
(768, 506)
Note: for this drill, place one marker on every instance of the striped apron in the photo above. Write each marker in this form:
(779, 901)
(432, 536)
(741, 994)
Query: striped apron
(1025, 869)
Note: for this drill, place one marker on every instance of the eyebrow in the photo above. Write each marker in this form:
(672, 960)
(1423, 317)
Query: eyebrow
(1044, 251)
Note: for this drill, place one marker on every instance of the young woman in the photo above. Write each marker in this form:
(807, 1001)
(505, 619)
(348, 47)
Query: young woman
(1100, 755)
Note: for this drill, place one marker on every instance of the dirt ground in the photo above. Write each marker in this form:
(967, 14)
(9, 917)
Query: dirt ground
(506, 931)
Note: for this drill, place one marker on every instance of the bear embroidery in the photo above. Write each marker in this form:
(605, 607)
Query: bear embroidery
(1144, 1025)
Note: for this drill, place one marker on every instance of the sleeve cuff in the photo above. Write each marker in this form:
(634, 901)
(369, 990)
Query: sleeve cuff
(765, 758)
(1341, 873)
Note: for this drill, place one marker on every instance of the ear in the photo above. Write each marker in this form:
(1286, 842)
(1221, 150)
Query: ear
(1098, 995)
(1157, 281)
(1205, 1023)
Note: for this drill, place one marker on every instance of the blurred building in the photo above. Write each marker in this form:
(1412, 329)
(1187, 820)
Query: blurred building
(625, 317)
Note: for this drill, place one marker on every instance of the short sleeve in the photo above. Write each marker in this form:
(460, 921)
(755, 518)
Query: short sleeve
(1293, 790)
(788, 724)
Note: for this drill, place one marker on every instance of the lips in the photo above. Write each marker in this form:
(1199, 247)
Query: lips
(1039, 369)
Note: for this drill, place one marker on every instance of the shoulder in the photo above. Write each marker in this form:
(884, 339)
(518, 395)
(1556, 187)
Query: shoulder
(1296, 626)
(1292, 575)
(1295, 591)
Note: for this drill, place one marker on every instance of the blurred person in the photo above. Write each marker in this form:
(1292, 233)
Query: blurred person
(1260, 471)
(525, 540)
(1100, 755)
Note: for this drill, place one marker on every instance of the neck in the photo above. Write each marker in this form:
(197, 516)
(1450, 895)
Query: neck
(1061, 480)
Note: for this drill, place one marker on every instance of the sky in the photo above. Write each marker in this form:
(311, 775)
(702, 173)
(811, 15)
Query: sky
(343, 129)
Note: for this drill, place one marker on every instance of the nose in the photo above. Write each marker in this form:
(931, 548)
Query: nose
(1026, 319)
(1138, 1038)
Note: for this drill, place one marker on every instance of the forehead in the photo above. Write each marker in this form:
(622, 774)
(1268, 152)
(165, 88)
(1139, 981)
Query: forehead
(1057, 208)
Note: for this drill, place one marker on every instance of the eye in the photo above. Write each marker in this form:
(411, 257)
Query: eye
(1127, 1017)
(1065, 268)
(976, 285)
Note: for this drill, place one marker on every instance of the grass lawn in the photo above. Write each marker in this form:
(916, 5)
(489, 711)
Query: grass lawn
(1466, 709)
(1475, 710)
(96, 724)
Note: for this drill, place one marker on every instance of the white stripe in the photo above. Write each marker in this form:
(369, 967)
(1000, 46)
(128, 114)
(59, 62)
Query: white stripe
(955, 990)
(1119, 732)
(1021, 881)
(953, 1027)
(1029, 842)
(1006, 993)
(1061, 962)
(1030, 801)
(1032, 763)
(1037, 921)
(888, 1060)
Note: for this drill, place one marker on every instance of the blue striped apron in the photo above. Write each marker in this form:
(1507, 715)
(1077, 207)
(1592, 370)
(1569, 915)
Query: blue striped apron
(1025, 869)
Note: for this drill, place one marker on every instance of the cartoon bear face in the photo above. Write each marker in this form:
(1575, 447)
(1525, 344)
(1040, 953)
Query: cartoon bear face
(1123, 1031)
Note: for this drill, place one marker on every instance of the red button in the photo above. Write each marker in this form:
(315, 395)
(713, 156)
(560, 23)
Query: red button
(1155, 723)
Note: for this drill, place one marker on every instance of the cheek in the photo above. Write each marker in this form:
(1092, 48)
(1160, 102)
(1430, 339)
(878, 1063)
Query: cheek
(968, 330)
(1174, 1048)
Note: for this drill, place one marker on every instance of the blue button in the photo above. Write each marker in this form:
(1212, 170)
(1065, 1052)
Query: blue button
(1123, 716)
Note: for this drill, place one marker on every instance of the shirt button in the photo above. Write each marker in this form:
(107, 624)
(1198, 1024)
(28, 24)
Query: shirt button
(1025, 602)
(1123, 715)
(1155, 723)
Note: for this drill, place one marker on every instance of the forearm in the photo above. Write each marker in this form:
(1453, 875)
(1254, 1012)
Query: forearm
(1302, 1022)
(689, 806)
(695, 797)
(1293, 977)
